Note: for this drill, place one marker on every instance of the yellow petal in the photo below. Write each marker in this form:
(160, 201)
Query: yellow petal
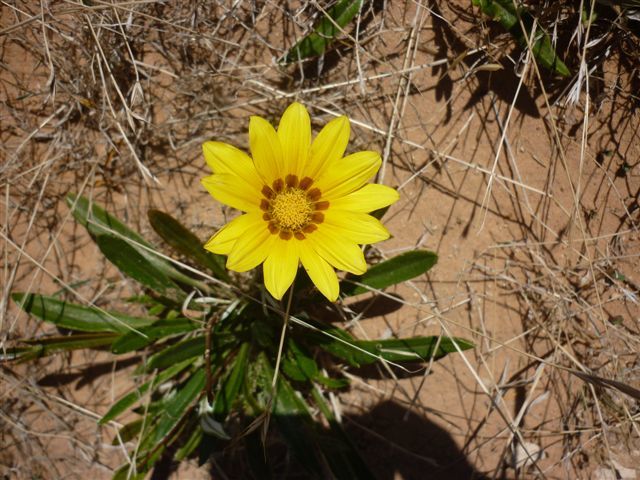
(281, 266)
(230, 190)
(328, 146)
(294, 132)
(224, 158)
(252, 248)
(357, 227)
(339, 251)
(367, 199)
(348, 174)
(265, 149)
(320, 272)
(224, 239)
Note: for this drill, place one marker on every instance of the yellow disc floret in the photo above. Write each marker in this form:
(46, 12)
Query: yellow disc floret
(291, 209)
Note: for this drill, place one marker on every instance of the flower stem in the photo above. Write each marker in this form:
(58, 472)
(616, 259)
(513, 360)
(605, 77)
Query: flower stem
(269, 406)
(285, 323)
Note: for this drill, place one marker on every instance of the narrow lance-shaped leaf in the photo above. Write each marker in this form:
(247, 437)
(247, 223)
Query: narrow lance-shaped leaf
(176, 408)
(40, 347)
(316, 43)
(191, 347)
(131, 398)
(414, 349)
(160, 329)
(297, 364)
(185, 242)
(191, 444)
(135, 265)
(231, 387)
(363, 352)
(391, 272)
(77, 317)
(98, 222)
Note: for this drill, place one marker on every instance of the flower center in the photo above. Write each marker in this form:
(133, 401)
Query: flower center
(291, 207)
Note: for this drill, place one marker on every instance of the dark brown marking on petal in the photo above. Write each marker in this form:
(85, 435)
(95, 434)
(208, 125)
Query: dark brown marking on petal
(278, 185)
(305, 183)
(285, 235)
(292, 181)
(264, 205)
(317, 217)
(273, 228)
(299, 235)
(314, 194)
(310, 228)
(322, 205)
(266, 217)
(267, 192)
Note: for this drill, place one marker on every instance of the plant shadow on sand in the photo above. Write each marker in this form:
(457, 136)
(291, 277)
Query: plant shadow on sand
(393, 441)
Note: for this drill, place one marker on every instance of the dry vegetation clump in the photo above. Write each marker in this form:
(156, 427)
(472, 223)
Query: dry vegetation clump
(526, 184)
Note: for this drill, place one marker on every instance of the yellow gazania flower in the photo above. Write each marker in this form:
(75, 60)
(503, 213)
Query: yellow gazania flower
(304, 202)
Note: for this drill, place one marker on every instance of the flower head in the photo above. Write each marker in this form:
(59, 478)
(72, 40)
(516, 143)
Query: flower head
(303, 202)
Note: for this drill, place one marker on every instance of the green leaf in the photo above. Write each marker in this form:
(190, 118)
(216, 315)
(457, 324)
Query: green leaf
(414, 349)
(293, 419)
(330, 382)
(123, 473)
(160, 329)
(76, 317)
(128, 432)
(231, 386)
(191, 347)
(504, 12)
(135, 265)
(363, 352)
(99, 223)
(331, 25)
(190, 445)
(297, 364)
(185, 349)
(176, 408)
(185, 242)
(335, 341)
(133, 397)
(41, 347)
(391, 272)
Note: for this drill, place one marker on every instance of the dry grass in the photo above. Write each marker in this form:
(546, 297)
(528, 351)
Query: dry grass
(527, 188)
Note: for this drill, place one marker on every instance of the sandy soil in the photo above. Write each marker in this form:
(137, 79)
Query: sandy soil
(531, 203)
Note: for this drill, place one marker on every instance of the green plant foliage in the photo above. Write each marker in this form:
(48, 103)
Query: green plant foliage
(131, 398)
(326, 32)
(232, 384)
(185, 242)
(146, 335)
(100, 223)
(76, 317)
(505, 12)
(392, 272)
(48, 345)
(135, 265)
(207, 354)
(414, 349)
